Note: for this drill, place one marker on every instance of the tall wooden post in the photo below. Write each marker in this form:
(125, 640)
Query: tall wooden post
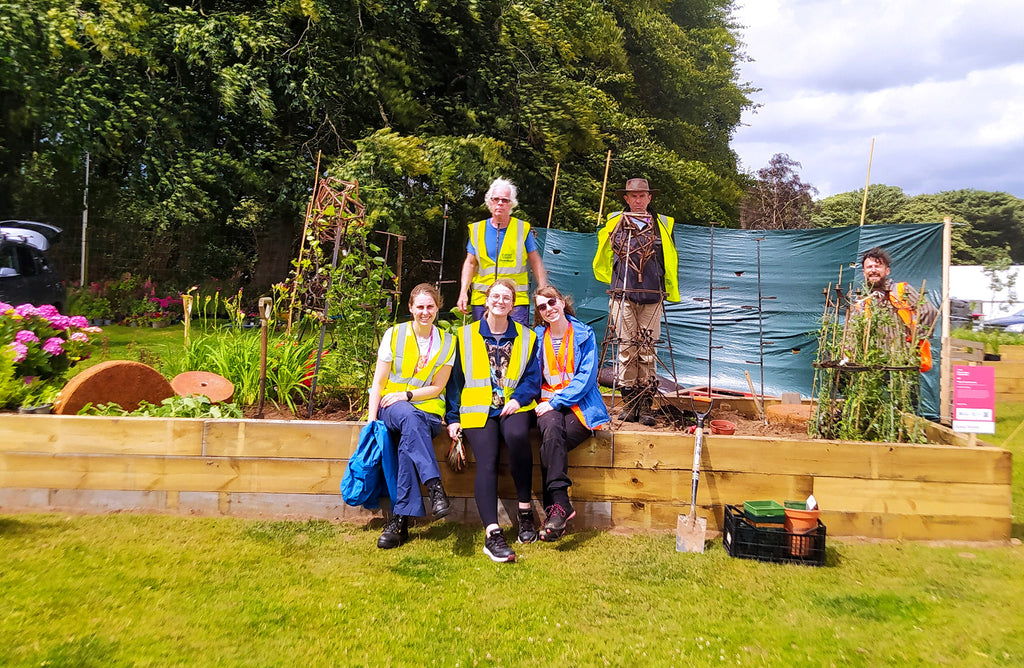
(946, 365)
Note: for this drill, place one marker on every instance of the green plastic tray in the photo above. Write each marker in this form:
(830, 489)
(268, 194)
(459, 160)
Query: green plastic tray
(764, 511)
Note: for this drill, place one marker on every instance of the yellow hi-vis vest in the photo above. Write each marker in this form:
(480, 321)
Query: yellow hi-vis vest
(406, 353)
(476, 368)
(511, 263)
(603, 257)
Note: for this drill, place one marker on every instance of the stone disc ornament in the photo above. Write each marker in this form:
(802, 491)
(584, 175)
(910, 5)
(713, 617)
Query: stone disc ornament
(121, 382)
(215, 387)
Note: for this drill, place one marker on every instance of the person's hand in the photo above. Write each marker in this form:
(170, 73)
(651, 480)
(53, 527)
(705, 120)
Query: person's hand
(544, 407)
(453, 430)
(392, 398)
(463, 303)
(511, 407)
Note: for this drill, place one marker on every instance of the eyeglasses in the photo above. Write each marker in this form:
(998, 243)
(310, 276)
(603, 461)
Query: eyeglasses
(498, 297)
(544, 306)
(501, 200)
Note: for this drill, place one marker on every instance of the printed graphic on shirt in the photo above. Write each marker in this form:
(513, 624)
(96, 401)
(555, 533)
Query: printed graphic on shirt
(499, 355)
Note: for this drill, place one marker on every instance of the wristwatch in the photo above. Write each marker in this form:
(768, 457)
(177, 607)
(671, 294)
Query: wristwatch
(408, 395)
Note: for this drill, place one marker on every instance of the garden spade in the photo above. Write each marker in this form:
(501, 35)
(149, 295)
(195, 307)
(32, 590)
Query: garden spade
(690, 529)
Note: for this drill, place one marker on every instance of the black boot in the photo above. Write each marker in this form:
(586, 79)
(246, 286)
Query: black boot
(645, 404)
(396, 532)
(440, 505)
(628, 412)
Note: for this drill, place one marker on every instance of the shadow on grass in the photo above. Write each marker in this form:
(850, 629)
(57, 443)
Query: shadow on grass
(12, 527)
(464, 542)
(573, 541)
(1017, 531)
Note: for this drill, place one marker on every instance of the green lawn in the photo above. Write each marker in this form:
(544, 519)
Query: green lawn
(155, 590)
(123, 590)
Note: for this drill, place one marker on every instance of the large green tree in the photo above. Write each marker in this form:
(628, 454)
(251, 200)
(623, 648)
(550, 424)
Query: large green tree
(203, 119)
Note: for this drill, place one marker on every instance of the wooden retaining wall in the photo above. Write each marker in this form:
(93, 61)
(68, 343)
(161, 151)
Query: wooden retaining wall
(634, 479)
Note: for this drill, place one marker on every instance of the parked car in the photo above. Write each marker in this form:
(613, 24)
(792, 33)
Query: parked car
(27, 274)
(1012, 323)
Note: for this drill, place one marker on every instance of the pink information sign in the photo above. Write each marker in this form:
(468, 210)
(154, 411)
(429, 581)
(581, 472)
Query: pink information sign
(974, 399)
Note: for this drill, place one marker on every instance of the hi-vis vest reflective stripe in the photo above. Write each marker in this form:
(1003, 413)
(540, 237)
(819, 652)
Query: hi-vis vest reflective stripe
(511, 262)
(476, 368)
(406, 353)
(554, 378)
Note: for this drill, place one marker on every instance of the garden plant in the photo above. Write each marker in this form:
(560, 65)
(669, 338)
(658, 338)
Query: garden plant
(866, 378)
(38, 348)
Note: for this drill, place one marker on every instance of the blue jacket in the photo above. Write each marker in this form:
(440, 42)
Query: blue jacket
(583, 388)
(372, 470)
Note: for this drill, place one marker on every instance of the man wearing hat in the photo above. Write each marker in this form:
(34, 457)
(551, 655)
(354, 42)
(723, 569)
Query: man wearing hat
(637, 257)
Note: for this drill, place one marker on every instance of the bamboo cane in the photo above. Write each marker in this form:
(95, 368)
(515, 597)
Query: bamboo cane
(302, 240)
(867, 183)
(554, 187)
(604, 188)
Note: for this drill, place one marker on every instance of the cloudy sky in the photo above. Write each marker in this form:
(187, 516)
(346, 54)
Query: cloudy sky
(939, 84)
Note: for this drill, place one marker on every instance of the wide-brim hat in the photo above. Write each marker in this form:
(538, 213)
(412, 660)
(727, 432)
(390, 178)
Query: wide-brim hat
(636, 185)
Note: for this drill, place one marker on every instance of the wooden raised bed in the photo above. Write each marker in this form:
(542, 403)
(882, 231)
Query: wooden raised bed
(629, 479)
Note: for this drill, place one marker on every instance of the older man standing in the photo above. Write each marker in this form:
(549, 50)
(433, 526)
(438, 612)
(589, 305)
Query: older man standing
(637, 256)
(500, 247)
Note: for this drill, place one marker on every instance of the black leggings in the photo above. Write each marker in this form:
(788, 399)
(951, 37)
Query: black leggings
(484, 441)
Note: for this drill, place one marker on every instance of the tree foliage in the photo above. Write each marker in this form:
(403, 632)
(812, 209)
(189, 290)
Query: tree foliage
(778, 199)
(988, 227)
(203, 120)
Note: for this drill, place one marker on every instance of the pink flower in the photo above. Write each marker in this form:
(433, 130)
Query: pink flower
(79, 321)
(5, 307)
(26, 336)
(92, 330)
(80, 336)
(25, 310)
(20, 351)
(54, 346)
(59, 322)
(47, 311)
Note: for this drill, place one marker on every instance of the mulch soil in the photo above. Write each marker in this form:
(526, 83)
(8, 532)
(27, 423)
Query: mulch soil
(335, 410)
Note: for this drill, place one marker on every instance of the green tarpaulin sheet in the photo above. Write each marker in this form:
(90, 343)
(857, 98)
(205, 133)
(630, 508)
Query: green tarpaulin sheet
(796, 267)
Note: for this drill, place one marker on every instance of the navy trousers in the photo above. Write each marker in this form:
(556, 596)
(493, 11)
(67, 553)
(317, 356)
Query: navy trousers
(412, 433)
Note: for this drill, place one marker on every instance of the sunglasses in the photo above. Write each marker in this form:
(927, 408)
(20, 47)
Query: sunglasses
(544, 306)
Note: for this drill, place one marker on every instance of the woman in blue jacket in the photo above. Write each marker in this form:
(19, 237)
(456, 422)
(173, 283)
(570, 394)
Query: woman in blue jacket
(570, 407)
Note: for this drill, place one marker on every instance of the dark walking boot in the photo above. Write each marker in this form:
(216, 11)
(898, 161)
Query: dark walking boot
(439, 503)
(628, 412)
(645, 404)
(396, 532)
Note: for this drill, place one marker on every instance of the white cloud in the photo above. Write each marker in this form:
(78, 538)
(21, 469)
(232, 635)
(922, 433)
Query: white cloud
(939, 85)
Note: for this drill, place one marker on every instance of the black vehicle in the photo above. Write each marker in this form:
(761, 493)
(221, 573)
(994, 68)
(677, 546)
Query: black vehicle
(27, 275)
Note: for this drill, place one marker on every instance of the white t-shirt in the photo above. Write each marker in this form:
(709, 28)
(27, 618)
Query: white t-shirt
(428, 346)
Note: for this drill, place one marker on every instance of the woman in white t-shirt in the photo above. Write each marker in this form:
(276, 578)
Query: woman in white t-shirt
(414, 362)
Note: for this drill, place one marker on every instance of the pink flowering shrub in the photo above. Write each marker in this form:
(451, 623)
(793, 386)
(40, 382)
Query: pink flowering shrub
(44, 344)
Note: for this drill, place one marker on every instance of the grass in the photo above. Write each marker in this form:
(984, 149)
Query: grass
(157, 590)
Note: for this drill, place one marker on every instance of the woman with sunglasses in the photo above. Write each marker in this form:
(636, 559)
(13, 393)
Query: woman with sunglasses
(570, 407)
(491, 397)
(414, 362)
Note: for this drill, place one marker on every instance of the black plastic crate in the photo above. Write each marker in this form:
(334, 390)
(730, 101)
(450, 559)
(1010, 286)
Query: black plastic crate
(742, 539)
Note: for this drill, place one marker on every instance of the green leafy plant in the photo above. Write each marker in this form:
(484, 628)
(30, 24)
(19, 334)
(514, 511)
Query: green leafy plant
(866, 378)
(193, 406)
